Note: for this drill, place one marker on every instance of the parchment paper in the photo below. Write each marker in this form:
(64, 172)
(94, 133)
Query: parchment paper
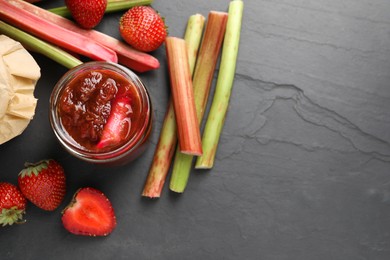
(19, 74)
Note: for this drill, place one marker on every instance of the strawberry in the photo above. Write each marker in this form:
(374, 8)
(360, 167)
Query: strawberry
(90, 213)
(43, 183)
(87, 13)
(12, 204)
(143, 28)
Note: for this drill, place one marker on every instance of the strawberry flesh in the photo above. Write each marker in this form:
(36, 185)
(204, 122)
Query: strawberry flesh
(89, 214)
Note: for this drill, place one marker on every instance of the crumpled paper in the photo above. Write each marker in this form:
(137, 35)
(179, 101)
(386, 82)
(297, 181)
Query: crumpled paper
(19, 74)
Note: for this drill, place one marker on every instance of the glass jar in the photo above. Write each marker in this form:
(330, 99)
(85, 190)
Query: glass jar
(101, 112)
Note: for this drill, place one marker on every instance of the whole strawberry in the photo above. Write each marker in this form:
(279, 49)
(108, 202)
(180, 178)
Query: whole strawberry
(143, 28)
(43, 184)
(87, 13)
(12, 204)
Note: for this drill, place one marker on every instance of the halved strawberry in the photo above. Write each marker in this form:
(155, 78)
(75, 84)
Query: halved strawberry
(90, 213)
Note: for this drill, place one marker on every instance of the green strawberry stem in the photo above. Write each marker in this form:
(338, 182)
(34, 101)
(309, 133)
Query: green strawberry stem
(34, 168)
(168, 135)
(220, 103)
(34, 44)
(202, 79)
(112, 6)
(11, 216)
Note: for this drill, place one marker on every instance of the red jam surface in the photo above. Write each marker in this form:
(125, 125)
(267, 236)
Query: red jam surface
(101, 110)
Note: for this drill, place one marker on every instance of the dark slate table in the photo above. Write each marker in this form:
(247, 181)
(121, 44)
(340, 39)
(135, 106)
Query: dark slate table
(303, 166)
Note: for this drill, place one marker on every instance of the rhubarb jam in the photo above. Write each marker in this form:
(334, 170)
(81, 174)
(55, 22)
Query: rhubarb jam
(101, 113)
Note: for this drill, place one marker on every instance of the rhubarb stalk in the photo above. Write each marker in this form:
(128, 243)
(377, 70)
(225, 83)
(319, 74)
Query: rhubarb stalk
(220, 103)
(53, 33)
(183, 96)
(192, 37)
(168, 136)
(135, 60)
(203, 77)
(112, 6)
(118, 124)
(37, 45)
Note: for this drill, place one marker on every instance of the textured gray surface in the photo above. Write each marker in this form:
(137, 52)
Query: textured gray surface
(303, 167)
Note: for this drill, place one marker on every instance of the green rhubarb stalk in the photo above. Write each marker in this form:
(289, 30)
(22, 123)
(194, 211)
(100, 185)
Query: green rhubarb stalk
(34, 44)
(193, 37)
(168, 135)
(112, 6)
(202, 79)
(162, 156)
(220, 103)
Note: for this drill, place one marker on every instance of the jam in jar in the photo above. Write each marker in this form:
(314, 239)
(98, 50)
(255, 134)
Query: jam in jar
(101, 112)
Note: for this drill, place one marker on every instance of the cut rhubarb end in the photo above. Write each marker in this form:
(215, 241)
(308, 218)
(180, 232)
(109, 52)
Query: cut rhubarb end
(153, 188)
(180, 172)
(206, 162)
(190, 152)
(140, 63)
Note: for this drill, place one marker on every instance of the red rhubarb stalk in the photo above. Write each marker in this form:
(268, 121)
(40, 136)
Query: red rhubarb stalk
(134, 59)
(183, 96)
(162, 156)
(54, 34)
(32, 43)
(118, 124)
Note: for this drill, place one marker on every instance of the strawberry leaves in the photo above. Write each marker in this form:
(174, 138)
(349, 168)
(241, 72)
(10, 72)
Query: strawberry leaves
(12, 204)
(33, 168)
